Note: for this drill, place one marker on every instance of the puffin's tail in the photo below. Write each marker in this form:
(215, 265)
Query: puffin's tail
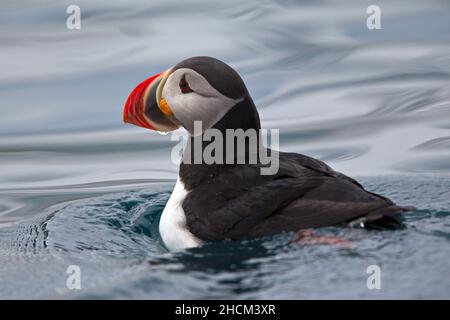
(383, 218)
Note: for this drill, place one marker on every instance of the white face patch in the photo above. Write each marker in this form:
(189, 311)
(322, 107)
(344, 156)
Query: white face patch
(204, 104)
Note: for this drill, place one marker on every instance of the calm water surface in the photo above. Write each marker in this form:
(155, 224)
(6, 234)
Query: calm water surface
(77, 186)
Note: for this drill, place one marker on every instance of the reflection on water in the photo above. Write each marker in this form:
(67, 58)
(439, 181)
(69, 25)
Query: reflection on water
(369, 102)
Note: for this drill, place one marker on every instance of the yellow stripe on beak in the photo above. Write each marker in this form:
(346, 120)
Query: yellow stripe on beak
(164, 107)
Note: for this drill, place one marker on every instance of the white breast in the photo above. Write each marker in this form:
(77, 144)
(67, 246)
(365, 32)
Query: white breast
(172, 226)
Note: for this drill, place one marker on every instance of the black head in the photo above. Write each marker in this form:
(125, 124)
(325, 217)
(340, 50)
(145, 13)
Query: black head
(196, 89)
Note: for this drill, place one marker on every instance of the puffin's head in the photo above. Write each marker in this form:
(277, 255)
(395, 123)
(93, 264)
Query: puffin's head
(196, 89)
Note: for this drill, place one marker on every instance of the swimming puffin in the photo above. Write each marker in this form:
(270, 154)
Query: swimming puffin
(212, 202)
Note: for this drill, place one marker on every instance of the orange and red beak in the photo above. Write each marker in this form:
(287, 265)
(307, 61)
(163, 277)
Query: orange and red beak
(145, 108)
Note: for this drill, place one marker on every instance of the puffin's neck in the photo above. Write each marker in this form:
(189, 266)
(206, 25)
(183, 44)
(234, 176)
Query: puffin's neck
(242, 116)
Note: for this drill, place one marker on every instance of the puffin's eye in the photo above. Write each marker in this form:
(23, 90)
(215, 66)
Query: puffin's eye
(184, 86)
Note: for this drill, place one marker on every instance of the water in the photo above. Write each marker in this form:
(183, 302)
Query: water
(77, 186)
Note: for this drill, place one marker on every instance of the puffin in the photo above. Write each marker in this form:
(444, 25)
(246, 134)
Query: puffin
(233, 200)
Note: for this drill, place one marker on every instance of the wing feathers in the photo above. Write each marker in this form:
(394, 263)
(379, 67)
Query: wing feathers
(238, 202)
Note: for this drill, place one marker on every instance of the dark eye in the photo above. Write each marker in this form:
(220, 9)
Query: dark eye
(184, 86)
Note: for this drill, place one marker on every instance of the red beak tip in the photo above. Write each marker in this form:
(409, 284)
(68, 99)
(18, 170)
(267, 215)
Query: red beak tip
(134, 110)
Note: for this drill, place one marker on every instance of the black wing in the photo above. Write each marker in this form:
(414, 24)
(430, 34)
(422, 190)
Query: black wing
(239, 202)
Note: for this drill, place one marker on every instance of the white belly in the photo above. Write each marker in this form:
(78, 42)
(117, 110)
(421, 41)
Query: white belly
(172, 226)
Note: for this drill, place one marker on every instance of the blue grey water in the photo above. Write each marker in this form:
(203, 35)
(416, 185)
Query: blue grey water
(78, 187)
